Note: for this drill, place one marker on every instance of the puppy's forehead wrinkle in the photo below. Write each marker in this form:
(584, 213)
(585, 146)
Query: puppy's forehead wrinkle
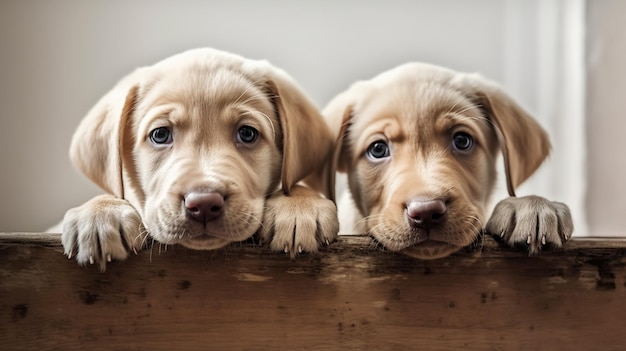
(466, 118)
(209, 86)
(441, 105)
(413, 106)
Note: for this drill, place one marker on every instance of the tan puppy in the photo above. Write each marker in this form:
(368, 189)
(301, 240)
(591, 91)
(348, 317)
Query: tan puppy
(419, 145)
(189, 149)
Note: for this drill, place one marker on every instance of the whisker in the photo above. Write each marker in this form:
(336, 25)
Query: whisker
(144, 235)
(151, 248)
(254, 98)
(453, 106)
(255, 85)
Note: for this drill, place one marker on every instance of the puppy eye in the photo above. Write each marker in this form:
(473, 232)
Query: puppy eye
(247, 135)
(462, 141)
(378, 149)
(161, 135)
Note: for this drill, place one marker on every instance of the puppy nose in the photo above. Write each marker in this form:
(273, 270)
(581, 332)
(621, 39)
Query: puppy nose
(204, 206)
(424, 213)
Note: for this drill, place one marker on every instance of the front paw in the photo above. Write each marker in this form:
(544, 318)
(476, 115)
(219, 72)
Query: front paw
(532, 222)
(299, 222)
(102, 229)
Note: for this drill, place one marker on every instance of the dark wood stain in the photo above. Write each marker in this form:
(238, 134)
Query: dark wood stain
(19, 311)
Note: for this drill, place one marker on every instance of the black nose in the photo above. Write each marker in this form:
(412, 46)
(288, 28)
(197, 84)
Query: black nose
(204, 206)
(425, 213)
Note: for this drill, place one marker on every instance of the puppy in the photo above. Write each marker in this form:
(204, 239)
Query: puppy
(201, 149)
(419, 146)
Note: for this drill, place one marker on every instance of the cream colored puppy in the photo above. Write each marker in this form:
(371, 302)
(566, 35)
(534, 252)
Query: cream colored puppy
(202, 149)
(419, 145)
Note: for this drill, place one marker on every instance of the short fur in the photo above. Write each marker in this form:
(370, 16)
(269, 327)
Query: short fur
(417, 109)
(204, 97)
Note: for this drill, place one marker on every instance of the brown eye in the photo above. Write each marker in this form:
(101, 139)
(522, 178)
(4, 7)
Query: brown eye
(462, 141)
(161, 135)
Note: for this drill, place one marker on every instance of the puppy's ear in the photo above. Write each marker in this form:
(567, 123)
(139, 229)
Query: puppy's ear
(524, 143)
(307, 141)
(338, 115)
(99, 142)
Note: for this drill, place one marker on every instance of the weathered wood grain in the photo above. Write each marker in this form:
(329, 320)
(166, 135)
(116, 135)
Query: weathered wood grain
(349, 296)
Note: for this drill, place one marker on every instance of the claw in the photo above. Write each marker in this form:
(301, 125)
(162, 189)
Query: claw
(327, 242)
(528, 240)
(69, 255)
(286, 249)
(109, 258)
(543, 240)
(90, 259)
(300, 249)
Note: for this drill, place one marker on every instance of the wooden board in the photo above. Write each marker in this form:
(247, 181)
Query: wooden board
(349, 296)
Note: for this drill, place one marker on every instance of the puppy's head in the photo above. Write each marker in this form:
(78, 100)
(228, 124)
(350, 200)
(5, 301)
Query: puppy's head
(419, 144)
(196, 142)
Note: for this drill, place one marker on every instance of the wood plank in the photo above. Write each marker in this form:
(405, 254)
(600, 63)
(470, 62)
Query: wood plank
(349, 296)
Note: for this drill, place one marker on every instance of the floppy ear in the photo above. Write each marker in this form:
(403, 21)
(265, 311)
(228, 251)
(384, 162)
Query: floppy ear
(307, 141)
(338, 162)
(99, 142)
(524, 143)
(338, 116)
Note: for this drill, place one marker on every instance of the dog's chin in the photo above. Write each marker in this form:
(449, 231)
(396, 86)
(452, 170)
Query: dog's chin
(431, 250)
(417, 245)
(204, 242)
(201, 240)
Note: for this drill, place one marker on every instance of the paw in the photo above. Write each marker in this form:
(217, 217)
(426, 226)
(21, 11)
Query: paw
(102, 229)
(300, 222)
(531, 222)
